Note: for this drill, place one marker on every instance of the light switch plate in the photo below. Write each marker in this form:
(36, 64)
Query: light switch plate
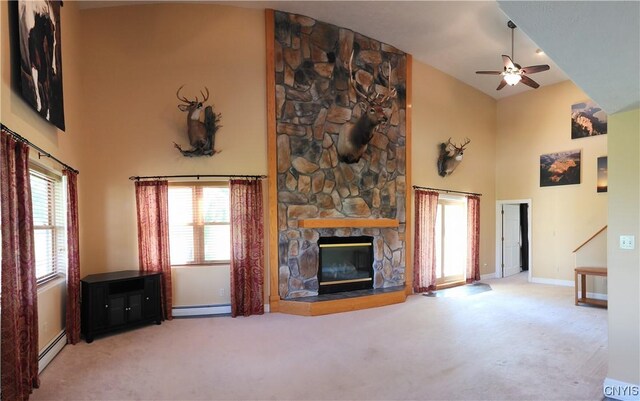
(627, 242)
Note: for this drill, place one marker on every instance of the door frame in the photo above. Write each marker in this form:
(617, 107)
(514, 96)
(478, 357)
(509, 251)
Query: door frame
(499, 204)
(450, 200)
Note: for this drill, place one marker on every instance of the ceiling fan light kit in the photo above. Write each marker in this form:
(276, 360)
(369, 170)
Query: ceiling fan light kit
(512, 78)
(512, 72)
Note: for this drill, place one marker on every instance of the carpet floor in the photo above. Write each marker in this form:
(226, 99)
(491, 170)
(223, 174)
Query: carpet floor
(520, 341)
(460, 291)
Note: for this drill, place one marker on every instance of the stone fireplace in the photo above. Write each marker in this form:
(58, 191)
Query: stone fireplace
(315, 104)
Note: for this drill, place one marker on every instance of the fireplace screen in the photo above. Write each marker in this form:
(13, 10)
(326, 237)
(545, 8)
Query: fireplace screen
(346, 263)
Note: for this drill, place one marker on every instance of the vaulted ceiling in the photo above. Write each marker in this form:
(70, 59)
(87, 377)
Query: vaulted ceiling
(595, 44)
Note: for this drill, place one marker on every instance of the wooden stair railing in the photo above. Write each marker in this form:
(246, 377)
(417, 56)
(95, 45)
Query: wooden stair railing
(590, 238)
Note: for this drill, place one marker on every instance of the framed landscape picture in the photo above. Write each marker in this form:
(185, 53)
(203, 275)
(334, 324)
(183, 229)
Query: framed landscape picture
(602, 174)
(561, 168)
(587, 119)
(41, 58)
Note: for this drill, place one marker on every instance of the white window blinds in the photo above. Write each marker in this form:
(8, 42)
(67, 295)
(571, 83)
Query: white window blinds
(49, 223)
(199, 229)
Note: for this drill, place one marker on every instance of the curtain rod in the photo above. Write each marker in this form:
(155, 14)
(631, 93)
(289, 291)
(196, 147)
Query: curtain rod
(40, 151)
(449, 191)
(196, 176)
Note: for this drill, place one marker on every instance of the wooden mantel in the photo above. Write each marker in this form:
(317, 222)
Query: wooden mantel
(352, 223)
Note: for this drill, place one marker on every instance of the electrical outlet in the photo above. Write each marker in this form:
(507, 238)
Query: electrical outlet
(221, 292)
(627, 242)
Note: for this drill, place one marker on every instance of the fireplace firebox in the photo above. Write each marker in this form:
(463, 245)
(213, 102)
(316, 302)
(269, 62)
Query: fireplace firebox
(346, 264)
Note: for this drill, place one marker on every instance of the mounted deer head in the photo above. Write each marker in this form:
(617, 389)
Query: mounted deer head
(201, 134)
(193, 107)
(450, 156)
(352, 144)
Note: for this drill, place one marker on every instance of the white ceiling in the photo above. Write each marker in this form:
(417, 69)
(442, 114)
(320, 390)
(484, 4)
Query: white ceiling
(461, 37)
(456, 37)
(596, 42)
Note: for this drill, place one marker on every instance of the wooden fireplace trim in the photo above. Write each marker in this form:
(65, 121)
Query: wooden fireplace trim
(351, 223)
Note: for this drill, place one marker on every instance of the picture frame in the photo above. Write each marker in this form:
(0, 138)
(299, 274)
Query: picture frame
(587, 119)
(603, 173)
(561, 168)
(40, 67)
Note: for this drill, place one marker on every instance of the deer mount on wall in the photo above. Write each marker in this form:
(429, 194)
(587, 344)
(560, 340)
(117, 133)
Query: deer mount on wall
(450, 156)
(202, 135)
(353, 143)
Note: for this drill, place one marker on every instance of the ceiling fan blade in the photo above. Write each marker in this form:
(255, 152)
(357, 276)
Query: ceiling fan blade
(508, 64)
(503, 83)
(535, 68)
(529, 82)
(489, 72)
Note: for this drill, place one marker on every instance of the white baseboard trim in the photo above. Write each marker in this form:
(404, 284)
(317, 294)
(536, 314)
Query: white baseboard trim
(567, 283)
(622, 391)
(201, 310)
(487, 276)
(552, 281)
(51, 350)
(597, 295)
(206, 310)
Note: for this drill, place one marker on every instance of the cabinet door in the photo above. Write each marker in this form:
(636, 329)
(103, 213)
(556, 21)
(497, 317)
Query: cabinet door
(151, 297)
(117, 305)
(98, 307)
(134, 307)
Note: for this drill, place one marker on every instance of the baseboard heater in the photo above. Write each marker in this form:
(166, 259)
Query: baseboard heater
(51, 350)
(201, 310)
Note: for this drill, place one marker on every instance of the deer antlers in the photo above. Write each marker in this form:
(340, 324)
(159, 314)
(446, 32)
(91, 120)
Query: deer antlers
(187, 101)
(375, 97)
(461, 147)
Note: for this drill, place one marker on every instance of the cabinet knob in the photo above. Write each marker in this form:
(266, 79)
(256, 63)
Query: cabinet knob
(106, 306)
(147, 298)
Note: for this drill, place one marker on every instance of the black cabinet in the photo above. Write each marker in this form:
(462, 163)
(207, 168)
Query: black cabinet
(113, 301)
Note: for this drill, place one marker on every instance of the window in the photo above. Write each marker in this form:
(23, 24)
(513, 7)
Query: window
(49, 223)
(199, 229)
(451, 240)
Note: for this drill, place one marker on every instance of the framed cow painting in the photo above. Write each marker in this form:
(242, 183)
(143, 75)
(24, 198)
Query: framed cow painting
(41, 58)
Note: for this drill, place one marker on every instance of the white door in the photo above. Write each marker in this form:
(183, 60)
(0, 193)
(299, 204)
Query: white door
(510, 239)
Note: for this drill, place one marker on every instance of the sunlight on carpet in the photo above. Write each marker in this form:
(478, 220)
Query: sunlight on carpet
(461, 291)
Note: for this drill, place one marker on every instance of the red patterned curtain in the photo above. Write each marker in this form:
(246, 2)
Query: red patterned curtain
(19, 288)
(424, 265)
(247, 248)
(73, 250)
(473, 238)
(152, 203)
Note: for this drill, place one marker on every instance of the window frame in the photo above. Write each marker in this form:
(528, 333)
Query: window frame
(198, 223)
(57, 210)
(443, 203)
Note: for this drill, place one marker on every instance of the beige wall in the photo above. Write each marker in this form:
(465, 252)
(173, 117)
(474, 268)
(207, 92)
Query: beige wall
(66, 146)
(201, 285)
(529, 125)
(594, 252)
(131, 75)
(624, 219)
(51, 311)
(444, 107)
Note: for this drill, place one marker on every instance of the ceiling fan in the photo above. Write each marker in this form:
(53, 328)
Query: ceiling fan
(513, 73)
